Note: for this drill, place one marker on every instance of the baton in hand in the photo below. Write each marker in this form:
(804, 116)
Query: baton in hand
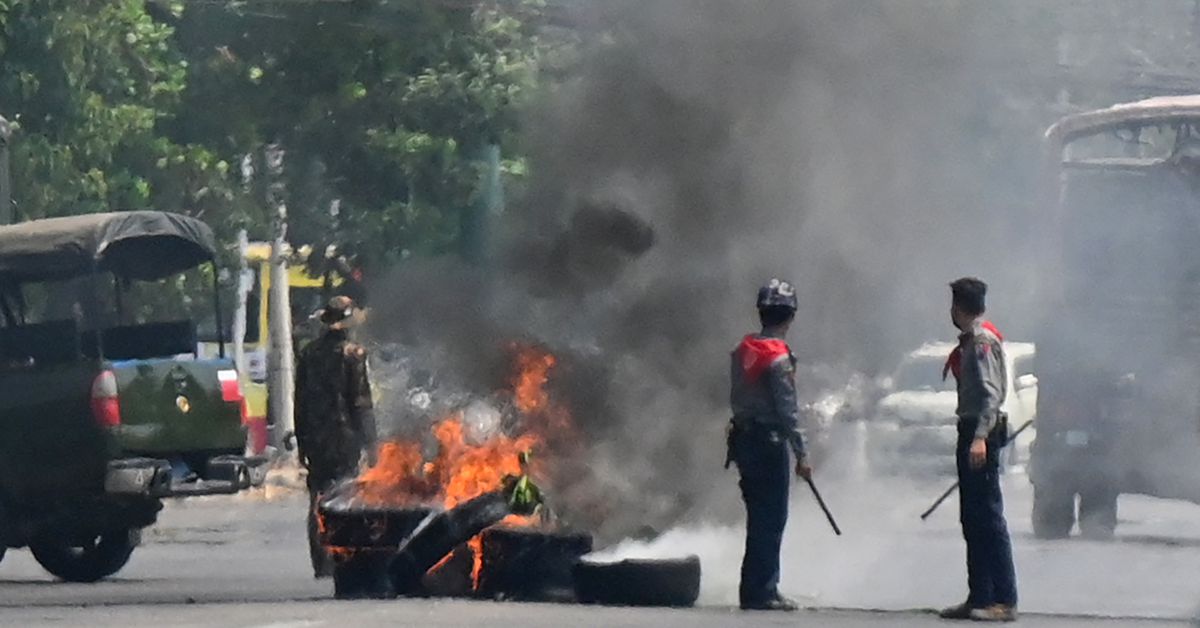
(824, 508)
(954, 487)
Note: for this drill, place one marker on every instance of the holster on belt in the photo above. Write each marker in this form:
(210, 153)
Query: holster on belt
(998, 437)
(731, 434)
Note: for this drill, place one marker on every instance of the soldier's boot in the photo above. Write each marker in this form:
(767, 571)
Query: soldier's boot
(960, 611)
(776, 603)
(995, 612)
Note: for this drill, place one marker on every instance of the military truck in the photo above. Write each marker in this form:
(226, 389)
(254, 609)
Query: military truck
(311, 283)
(1119, 344)
(103, 412)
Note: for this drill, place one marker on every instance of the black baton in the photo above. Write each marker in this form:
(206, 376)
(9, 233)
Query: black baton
(954, 487)
(824, 508)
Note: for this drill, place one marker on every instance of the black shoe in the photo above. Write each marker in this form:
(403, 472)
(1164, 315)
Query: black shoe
(777, 603)
(961, 611)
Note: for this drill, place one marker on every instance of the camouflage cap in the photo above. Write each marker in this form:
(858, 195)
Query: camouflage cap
(339, 313)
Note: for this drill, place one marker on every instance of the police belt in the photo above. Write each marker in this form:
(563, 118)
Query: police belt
(739, 426)
(998, 434)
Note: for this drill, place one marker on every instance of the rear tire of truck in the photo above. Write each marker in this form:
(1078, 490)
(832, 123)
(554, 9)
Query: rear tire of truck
(101, 557)
(1098, 515)
(1053, 513)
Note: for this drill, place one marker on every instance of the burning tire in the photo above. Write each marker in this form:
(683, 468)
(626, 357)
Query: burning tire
(668, 582)
(363, 575)
(528, 564)
(99, 557)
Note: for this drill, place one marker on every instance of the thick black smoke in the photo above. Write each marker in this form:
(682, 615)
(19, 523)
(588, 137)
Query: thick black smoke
(701, 148)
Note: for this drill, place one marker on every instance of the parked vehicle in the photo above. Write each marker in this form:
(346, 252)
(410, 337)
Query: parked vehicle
(1119, 341)
(104, 412)
(913, 429)
(311, 283)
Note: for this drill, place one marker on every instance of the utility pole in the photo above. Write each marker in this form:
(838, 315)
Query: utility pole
(245, 281)
(281, 379)
(477, 218)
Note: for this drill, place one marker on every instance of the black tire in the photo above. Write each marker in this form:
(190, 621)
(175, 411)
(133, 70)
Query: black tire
(1098, 514)
(101, 557)
(1053, 513)
(672, 582)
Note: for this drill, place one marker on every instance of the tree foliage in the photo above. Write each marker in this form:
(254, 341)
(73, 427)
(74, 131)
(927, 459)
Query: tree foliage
(381, 108)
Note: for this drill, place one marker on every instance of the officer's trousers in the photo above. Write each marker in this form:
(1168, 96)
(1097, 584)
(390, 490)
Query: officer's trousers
(763, 463)
(990, 573)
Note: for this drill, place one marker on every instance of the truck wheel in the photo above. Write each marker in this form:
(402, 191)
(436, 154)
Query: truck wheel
(1053, 513)
(1098, 514)
(102, 556)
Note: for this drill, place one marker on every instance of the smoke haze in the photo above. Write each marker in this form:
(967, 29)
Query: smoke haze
(869, 152)
(702, 148)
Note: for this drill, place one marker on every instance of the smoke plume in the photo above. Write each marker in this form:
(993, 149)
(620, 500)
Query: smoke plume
(864, 151)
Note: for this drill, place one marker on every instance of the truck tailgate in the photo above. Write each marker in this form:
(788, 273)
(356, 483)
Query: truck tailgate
(178, 406)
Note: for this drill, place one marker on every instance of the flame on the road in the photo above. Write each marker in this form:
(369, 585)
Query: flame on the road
(460, 470)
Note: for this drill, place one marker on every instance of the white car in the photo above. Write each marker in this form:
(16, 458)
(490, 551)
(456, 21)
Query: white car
(913, 427)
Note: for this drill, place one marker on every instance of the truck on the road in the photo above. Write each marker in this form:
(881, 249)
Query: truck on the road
(105, 409)
(1119, 343)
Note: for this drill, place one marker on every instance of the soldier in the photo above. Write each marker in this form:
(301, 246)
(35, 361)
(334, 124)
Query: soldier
(764, 427)
(335, 427)
(979, 367)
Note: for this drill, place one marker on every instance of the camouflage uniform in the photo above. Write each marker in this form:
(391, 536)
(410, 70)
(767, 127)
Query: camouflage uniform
(335, 427)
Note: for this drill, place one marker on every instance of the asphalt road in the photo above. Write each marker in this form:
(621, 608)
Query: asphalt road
(241, 561)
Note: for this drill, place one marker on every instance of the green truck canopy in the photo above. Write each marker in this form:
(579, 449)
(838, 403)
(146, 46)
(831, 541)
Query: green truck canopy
(142, 245)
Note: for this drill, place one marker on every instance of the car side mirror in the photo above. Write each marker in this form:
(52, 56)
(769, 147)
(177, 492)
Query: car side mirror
(1027, 381)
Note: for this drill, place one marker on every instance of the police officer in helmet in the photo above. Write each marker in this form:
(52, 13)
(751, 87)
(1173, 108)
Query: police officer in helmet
(764, 428)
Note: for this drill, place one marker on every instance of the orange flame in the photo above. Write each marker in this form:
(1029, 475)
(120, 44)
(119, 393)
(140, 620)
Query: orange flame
(461, 471)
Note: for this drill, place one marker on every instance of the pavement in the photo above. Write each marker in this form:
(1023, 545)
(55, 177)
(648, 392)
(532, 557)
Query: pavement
(241, 561)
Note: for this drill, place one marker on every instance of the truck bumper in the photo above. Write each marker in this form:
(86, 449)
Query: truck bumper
(150, 477)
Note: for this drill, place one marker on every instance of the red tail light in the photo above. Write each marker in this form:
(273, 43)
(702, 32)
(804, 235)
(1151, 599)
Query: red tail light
(231, 390)
(106, 406)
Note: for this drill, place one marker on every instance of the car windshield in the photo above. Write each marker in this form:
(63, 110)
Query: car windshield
(922, 373)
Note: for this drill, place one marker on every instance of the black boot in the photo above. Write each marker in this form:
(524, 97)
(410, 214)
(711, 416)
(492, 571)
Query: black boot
(776, 603)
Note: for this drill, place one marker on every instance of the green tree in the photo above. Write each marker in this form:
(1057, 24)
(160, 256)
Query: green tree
(381, 105)
(87, 85)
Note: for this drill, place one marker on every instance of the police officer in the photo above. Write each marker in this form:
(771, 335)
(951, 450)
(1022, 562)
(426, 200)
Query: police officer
(978, 365)
(764, 427)
(335, 427)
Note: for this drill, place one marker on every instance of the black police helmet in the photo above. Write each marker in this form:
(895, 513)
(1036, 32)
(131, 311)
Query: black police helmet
(777, 293)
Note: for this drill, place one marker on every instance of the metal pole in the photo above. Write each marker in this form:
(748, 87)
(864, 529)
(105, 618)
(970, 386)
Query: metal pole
(281, 382)
(954, 487)
(220, 324)
(476, 219)
(824, 508)
(239, 314)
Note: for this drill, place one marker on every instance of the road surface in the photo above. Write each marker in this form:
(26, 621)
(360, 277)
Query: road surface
(241, 561)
